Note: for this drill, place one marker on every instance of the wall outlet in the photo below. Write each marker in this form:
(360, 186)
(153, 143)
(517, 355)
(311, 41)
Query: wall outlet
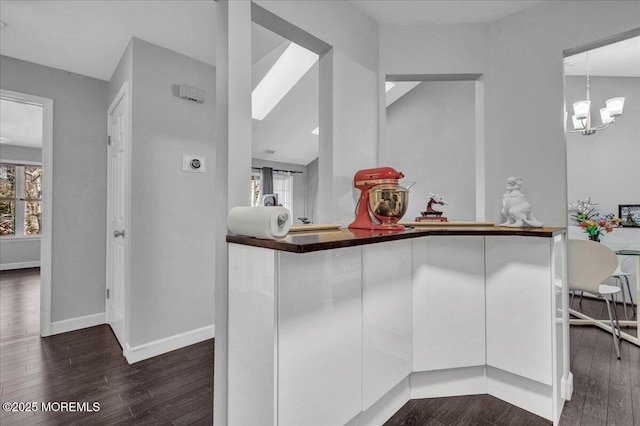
(194, 163)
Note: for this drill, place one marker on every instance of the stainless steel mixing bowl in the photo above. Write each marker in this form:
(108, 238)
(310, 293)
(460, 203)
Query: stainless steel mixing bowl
(388, 202)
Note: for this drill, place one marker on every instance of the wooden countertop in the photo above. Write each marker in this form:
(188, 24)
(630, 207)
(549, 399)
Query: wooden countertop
(305, 242)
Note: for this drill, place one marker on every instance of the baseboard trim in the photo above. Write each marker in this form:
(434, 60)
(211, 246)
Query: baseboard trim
(383, 409)
(158, 347)
(453, 381)
(78, 323)
(19, 265)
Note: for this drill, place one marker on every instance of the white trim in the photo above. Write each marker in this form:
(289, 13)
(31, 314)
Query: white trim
(78, 323)
(168, 344)
(47, 202)
(385, 407)
(19, 265)
(567, 387)
(454, 381)
(21, 162)
(17, 238)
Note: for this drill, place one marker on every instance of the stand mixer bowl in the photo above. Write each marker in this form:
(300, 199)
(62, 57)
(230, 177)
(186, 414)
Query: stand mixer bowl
(388, 202)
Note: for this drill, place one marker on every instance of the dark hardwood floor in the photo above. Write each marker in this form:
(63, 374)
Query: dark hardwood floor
(606, 391)
(87, 366)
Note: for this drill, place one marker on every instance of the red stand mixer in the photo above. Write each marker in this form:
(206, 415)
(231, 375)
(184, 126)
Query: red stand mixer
(382, 201)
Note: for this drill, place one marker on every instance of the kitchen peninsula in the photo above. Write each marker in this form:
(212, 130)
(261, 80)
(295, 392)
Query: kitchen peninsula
(345, 326)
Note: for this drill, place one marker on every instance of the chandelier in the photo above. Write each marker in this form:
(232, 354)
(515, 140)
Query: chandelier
(582, 112)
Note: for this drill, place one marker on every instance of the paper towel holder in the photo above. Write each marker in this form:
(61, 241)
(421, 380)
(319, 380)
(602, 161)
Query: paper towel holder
(269, 200)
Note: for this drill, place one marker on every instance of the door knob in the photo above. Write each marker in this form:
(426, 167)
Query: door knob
(117, 234)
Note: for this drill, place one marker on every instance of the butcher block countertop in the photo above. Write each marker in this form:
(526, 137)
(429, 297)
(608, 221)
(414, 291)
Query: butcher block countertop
(314, 240)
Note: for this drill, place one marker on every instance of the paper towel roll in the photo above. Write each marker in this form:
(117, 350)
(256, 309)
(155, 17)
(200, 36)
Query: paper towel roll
(260, 222)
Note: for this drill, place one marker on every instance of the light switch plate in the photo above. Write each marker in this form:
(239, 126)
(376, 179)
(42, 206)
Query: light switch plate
(194, 163)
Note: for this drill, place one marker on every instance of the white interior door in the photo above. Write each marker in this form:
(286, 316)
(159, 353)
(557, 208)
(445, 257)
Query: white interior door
(117, 181)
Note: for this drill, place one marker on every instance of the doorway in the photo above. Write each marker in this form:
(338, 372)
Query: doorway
(43, 212)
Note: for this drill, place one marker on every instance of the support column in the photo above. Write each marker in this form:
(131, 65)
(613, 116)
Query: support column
(233, 161)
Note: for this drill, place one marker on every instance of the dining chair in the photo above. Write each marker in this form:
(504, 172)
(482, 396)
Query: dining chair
(589, 263)
(619, 274)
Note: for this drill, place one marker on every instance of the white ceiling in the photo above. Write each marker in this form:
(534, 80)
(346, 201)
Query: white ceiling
(89, 37)
(621, 59)
(441, 11)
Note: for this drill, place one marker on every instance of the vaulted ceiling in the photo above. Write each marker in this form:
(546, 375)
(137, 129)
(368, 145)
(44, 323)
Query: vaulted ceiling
(89, 37)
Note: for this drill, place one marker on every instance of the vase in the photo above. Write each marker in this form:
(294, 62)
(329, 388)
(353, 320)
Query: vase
(595, 238)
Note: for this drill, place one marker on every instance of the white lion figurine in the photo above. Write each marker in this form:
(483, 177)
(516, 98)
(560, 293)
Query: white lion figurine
(516, 207)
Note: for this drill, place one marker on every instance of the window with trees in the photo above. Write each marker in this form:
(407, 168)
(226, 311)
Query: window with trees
(20, 199)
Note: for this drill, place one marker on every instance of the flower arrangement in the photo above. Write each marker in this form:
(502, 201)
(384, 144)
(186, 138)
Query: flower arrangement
(592, 222)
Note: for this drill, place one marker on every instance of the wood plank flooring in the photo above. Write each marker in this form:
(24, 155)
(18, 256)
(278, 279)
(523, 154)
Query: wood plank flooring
(606, 390)
(87, 366)
(177, 388)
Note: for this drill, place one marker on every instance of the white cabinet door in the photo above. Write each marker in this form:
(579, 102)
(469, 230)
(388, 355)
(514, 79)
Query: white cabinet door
(319, 337)
(519, 312)
(387, 330)
(448, 302)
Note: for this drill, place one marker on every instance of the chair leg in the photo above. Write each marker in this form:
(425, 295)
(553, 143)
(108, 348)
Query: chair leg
(633, 305)
(624, 297)
(615, 315)
(580, 301)
(613, 329)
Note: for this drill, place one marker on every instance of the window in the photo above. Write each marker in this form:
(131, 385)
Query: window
(20, 199)
(282, 185)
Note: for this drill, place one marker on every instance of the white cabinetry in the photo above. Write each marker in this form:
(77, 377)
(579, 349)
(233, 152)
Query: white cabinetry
(519, 338)
(387, 336)
(448, 302)
(319, 337)
(347, 335)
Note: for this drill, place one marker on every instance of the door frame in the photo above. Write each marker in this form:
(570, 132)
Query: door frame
(124, 95)
(47, 202)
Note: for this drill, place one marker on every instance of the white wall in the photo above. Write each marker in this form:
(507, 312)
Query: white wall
(606, 165)
(172, 233)
(432, 138)
(79, 186)
(521, 59)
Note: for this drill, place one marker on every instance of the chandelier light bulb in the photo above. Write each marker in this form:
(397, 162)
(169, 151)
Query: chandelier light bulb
(615, 105)
(604, 115)
(581, 109)
(578, 124)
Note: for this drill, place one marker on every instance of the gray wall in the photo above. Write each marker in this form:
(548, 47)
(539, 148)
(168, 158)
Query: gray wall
(526, 87)
(432, 139)
(521, 60)
(172, 237)
(79, 186)
(606, 165)
(19, 252)
(311, 207)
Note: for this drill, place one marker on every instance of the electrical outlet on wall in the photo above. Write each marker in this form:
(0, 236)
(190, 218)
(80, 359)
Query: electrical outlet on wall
(194, 163)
